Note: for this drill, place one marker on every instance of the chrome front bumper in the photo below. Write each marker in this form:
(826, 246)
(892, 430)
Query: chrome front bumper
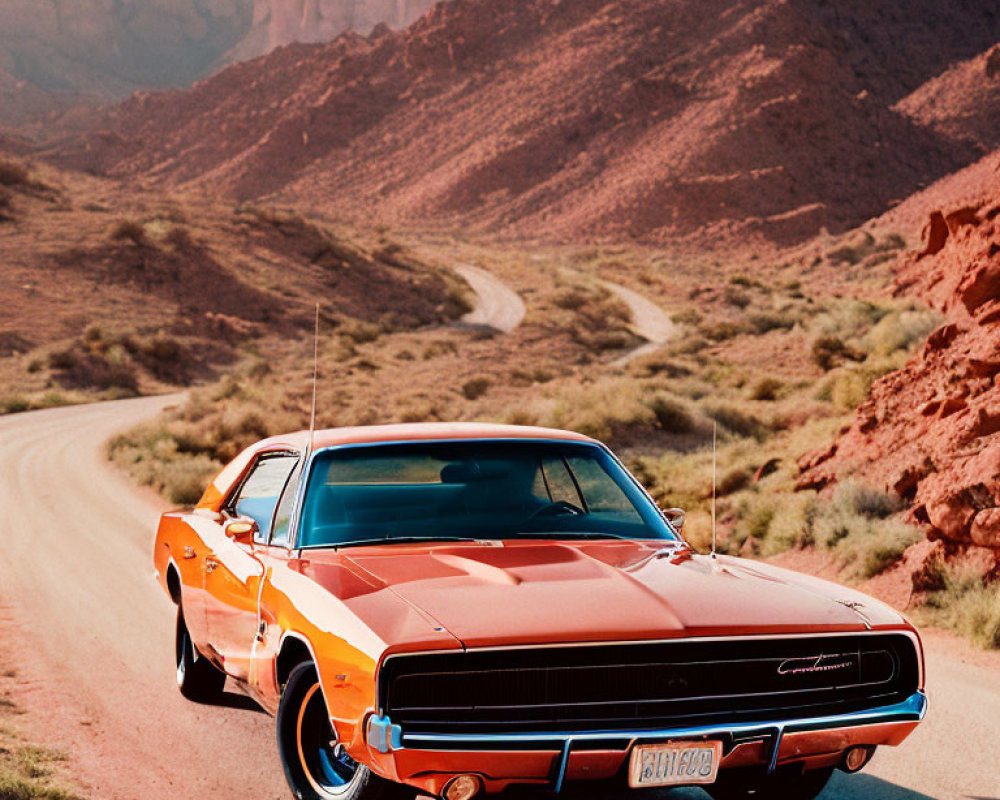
(765, 743)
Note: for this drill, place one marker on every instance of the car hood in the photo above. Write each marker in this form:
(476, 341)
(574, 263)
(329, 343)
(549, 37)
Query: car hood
(546, 591)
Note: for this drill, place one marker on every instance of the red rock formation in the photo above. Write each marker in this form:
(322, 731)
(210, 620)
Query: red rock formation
(931, 431)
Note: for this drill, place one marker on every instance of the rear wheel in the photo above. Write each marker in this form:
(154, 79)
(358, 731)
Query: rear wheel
(197, 677)
(779, 786)
(315, 764)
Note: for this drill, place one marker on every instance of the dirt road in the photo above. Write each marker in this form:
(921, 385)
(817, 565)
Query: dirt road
(497, 305)
(76, 576)
(648, 321)
(95, 644)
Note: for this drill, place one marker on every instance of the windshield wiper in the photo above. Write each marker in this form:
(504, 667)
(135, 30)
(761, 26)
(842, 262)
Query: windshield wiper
(570, 535)
(400, 540)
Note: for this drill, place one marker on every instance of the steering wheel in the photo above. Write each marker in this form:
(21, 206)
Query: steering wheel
(557, 507)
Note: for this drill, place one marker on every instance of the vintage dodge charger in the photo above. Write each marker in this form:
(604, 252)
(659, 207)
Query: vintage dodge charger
(458, 609)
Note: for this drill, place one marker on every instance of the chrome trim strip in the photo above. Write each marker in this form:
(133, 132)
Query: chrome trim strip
(911, 635)
(562, 764)
(912, 709)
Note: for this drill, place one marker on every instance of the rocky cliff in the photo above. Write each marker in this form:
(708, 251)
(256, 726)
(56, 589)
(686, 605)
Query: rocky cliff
(931, 431)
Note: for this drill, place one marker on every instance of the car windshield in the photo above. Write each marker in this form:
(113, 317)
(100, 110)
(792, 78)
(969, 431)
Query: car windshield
(443, 491)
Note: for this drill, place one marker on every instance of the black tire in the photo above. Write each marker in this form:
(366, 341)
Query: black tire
(780, 786)
(315, 767)
(197, 678)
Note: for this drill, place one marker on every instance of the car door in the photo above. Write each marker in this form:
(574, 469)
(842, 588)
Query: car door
(233, 570)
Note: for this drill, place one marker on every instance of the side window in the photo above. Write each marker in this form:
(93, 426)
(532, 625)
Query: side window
(283, 514)
(258, 495)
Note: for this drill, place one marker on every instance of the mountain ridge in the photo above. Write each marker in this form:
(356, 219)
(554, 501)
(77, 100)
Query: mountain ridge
(607, 119)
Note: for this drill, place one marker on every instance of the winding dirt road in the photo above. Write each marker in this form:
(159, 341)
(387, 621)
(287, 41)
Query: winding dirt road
(649, 321)
(91, 634)
(497, 305)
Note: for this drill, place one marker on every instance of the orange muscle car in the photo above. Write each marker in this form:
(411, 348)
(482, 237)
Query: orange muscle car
(457, 608)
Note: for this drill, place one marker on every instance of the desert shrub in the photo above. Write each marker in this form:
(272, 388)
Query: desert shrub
(13, 404)
(179, 238)
(722, 331)
(865, 247)
(671, 414)
(966, 604)
(853, 253)
(687, 316)
(94, 368)
(736, 420)
(475, 388)
(359, 331)
(864, 500)
(881, 545)
(13, 174)
(736, 297)
(766, 389)
(828, 351)
(602, 341)
(129, 230)
(754, 517)
(570, 299)
(154, 457)
(900, 330)
(62, 359)
(441, 347)
(6, 206)
(733, 480)
(792, 524)
(771, 321)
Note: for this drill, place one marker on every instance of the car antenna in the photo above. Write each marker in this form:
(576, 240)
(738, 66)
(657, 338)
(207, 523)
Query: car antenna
(312, 412)
(715, 427)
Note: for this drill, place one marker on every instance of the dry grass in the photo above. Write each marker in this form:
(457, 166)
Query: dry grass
(966, 604)
(27, 772)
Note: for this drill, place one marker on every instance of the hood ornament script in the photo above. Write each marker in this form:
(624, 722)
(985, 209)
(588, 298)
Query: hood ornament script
(821, 663)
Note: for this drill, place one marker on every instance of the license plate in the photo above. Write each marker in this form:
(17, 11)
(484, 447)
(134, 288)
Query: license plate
(674, 763)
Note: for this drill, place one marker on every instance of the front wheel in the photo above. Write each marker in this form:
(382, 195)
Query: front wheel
(315, 764)
(197, 677)
(780, 786)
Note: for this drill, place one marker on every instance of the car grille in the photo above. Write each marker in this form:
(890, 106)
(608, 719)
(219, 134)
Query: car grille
(646, 685)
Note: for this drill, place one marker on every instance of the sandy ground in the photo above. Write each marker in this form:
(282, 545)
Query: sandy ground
(91, 635)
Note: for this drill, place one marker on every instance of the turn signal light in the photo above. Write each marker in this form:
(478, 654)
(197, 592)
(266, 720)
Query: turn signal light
(462, 787)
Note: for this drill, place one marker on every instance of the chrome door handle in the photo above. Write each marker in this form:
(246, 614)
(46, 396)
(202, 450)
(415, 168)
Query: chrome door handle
(210, 564)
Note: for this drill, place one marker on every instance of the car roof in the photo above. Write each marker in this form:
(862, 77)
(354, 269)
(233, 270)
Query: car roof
(230, 475)
(419, 431)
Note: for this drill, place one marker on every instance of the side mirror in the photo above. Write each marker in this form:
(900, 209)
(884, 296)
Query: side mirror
(676, 517)
(241, 531)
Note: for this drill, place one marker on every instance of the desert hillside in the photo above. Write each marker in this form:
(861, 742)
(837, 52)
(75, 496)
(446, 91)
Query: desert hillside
(111, 291)
(586, 119)
(62, 54)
